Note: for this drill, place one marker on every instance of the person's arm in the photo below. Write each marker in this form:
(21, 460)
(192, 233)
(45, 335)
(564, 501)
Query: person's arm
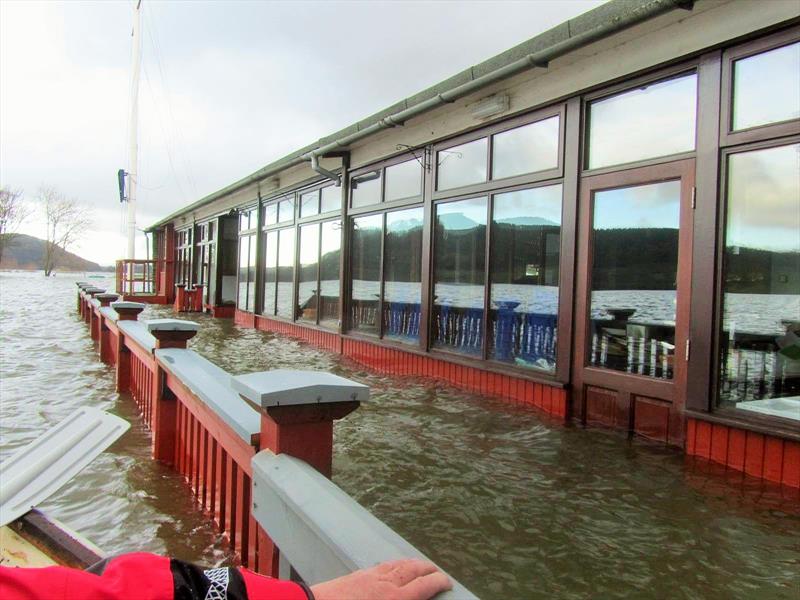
(409, 579)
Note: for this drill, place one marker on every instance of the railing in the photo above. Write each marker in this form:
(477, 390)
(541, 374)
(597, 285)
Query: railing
(136, 277)
(210, 426)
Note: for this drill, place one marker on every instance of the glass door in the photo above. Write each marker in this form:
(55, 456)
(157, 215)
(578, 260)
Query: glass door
(632, 298)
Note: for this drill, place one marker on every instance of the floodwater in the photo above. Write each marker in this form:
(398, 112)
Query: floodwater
(512, 504)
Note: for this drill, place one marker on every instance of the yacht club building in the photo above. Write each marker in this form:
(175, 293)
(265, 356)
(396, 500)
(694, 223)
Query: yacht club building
(602, 222)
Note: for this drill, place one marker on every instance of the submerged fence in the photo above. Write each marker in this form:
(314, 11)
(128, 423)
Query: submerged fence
(232, 438)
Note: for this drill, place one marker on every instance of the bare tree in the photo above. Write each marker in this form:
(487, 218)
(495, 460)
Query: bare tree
(66, 219)
(13, 211)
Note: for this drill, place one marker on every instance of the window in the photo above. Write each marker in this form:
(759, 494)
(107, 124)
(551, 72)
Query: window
(286, 210)
(462, 165)
(402, 294)
(403, 180)
(270, 214)
(459, 271)
(365, 189)
(524, 271)
(309, 204)
(766, 88)
(365, 268)
(759, 337)
(654, 120)
(285, 285)
(634, 278)
(329, 265)
(526, 149)
(270, 271)
(247, 271)
(307, 293)
(330, 199)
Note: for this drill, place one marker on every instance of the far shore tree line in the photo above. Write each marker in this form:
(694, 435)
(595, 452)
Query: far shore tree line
(66, 220)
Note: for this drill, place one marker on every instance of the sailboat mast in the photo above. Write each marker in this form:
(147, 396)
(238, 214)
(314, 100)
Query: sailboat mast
(133, 167)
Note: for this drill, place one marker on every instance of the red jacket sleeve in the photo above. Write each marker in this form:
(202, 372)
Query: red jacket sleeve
(142, 576)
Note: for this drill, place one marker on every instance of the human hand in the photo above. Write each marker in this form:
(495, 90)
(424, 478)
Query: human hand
(409, 579)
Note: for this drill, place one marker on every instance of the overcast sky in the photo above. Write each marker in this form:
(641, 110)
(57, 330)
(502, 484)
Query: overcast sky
(226, 87)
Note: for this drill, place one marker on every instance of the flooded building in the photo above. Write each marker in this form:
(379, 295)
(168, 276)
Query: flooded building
(602, 222)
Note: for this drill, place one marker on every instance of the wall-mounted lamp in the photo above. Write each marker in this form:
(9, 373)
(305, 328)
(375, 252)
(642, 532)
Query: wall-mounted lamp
(490, 106)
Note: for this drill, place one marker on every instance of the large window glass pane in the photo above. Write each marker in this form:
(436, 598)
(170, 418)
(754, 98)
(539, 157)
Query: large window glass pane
(251, 275)
(309, 204)
(403, 180)
(286, 210)
(330, 255)
(634, 271)
(766, 87)
(271, 214)
(402, 274)
(331, 199)
(366, 271)
(526, 149)
(244, 258)
(459, 270)
(760, 337)
(307, 275)
(655, 120)
(285, 272)
(270, 271)
(462, 165)
(523, 312)
(365, 190)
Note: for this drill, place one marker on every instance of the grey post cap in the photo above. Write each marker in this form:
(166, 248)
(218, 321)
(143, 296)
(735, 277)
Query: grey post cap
(124, 304)
(107, 296)
(172, 325)
(286, 387)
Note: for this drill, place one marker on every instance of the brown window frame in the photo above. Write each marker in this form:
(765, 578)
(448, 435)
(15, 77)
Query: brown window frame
(420, 155)
(727, 135)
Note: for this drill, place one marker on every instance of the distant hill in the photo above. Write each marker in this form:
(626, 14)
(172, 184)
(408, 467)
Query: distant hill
(27, 253)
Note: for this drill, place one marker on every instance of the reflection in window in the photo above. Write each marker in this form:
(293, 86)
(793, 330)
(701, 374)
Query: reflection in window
(459, 267)
(760, 336)
(330, 255)
(655, 120)
(331, 199)
(271, 214)
(526, 149)
(244, 255)
(634, 271)
(402, 275)
(403, 180)
(462, 165)
(365, 269)
(286, 210)
(270, 272)
(307, 273)
(766, 87)
(251, 275)
(309, 204)
(365, 190)
(285, 272)
(523, 311)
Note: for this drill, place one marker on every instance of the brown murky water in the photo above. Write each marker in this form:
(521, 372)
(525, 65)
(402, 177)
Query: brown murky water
(512, 504)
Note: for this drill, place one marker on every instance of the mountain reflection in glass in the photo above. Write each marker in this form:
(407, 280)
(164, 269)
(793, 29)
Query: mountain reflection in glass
(307, 273)
(402, 273)
(270, 271)
(365, 269)
(647, 122)
(634, 272)
(526, 149)
(760, 336)
(285, 272)
(462, 165)
(459, 268)
(523, 311)
(330, 254)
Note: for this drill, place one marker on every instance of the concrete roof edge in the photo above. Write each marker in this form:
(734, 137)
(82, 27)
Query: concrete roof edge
(605, 13)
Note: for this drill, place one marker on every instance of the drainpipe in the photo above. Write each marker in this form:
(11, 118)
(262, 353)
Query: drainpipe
(315, 166)
(539, 59)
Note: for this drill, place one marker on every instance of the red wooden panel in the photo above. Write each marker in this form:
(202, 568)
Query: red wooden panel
(242, 498)
(773, 459)
(230, 497)
(791, 464)
(547, 398)
(221, 493)
(737, 441)
(719, 444)
(203, 470)
(252, 542)
(690, 434)
(212, 476)
(754, 454)
(703, 439)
